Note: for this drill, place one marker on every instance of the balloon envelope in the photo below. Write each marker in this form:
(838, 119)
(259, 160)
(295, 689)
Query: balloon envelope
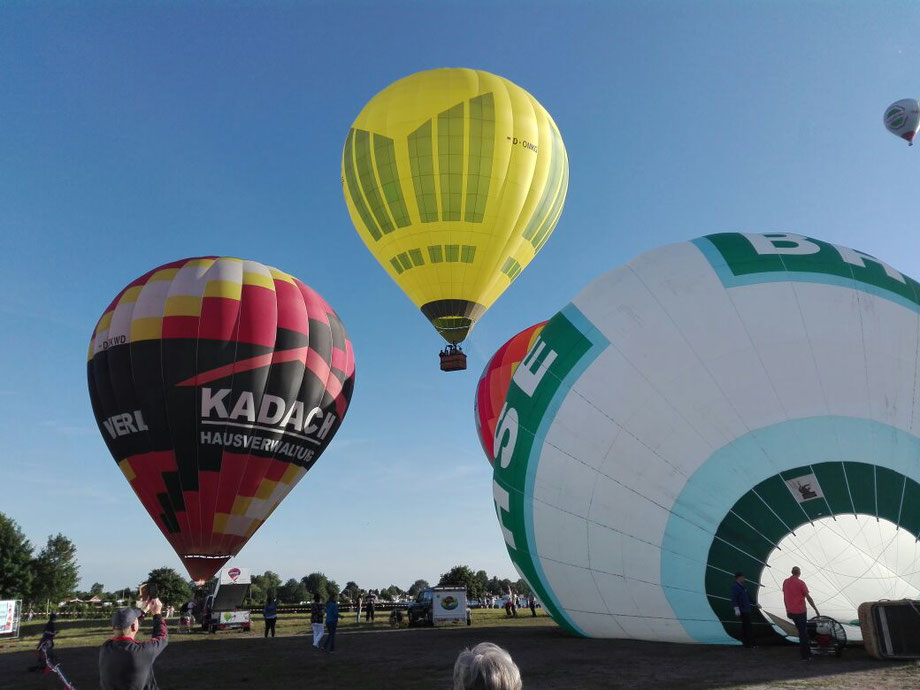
(454, 179)
(688, 411)
(493, 384)
(902, 118)
(216, 384)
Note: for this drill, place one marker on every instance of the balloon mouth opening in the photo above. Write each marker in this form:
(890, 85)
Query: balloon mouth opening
(202, 566)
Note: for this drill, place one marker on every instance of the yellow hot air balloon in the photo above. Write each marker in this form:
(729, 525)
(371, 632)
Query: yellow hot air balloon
(455, 179)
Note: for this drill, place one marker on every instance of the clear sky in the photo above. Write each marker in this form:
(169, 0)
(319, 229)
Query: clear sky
(132, 134)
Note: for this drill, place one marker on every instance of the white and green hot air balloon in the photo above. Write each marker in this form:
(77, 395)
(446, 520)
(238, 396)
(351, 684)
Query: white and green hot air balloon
(740, 402)
(902, 118)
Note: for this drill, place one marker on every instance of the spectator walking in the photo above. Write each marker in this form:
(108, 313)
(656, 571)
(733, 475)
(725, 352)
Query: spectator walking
(486, 667)
(45, 648)
(124, 663)
(513, 599)
(332, 622)
(533, 606)
(795, 594)
(270, 614)
(316, 618)
(741, 602)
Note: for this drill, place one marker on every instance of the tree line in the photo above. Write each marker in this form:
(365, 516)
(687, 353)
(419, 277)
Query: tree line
(51, 576)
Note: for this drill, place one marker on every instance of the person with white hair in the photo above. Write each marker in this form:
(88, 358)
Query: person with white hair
(486, 667)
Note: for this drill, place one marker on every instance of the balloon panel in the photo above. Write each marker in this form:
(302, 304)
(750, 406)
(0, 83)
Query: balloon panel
(455, 179)
(493, 384)
(216, 384)
(688, 411)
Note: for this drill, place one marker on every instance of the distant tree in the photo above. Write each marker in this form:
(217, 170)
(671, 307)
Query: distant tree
(352, 591)
(15, 561)
(97, 590)
(482, 580)
(417, 587)
(292, 592)
(55, 570)
(268, 582)
(172, 588)
(318, 583)
(521, 587)
(462, 576)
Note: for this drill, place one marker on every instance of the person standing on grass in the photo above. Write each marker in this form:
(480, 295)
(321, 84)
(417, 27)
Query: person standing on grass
(316, 618)
(332, 622)
(741, 602)
(795, 594)
(533, 606)
(270, 614)
(125, 663)
(369, 604)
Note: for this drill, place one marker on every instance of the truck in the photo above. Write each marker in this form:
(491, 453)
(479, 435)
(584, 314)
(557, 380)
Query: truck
(440, 605)
(222, 608)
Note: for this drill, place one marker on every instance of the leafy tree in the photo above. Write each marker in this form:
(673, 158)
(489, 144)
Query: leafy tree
(352, 591)
(55, 570)
(462, 576)
(292, 592)
(318, 583)
(97, 590)
(267, 583)
(172, 588)
(417, 587)
(15, 561)
(521, 587)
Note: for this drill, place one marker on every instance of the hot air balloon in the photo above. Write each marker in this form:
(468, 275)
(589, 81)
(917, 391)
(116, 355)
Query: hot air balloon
(493, 384)
(454, 179)
(217, 383)
(740, 402)
(902, 118)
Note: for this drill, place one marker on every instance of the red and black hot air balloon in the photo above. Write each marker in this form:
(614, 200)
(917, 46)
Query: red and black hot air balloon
(493, 385)
(217, 383)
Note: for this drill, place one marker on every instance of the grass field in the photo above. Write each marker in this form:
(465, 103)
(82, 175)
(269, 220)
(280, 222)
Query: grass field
(376, 656)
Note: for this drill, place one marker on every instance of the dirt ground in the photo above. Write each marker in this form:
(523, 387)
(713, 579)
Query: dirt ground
(423, 658)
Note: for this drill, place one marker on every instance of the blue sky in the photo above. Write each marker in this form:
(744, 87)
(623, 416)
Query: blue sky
(132, 134)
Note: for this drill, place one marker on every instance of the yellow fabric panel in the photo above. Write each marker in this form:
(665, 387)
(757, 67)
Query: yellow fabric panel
(252, 278)
(240, 505)
(130, 295)
(227, 289)
(127, 470)
(442, 135)
(164, 274)
(281, 275)
(146, 329)
(220, 523)
(292, 474)
(182, 305)
(265, 489)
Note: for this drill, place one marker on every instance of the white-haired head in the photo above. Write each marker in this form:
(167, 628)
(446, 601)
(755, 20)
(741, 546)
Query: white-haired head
(486, 667)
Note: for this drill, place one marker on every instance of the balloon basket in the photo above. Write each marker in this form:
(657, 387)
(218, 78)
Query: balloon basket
(452, 359)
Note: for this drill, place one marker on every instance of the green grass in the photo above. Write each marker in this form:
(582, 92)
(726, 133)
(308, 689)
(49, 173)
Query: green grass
(93, 632)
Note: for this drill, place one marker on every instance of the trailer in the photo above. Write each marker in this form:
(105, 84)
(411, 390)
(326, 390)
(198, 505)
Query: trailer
(223, 608)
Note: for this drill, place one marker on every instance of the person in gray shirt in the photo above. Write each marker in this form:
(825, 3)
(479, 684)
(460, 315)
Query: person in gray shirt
(125, 663)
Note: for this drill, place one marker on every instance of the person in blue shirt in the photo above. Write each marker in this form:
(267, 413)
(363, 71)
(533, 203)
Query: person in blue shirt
(270, 614)
(332, 622)
(741, 601)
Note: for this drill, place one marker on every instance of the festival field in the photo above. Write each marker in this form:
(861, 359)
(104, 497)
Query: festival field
(376, 656)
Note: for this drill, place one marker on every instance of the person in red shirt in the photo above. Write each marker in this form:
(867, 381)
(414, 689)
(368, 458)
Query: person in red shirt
(795, 594)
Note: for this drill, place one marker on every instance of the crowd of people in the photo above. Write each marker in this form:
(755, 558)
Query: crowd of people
(126, 663)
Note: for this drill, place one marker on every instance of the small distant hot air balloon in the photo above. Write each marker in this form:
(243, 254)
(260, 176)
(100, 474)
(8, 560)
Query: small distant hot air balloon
(454, 179)
(494, 382)
(902, 118)
(216, 384)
